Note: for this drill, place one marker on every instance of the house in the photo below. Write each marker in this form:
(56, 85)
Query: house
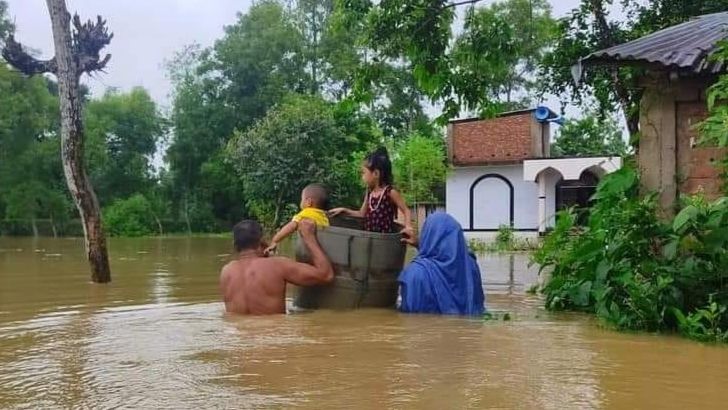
(503, 174)
(677, 72)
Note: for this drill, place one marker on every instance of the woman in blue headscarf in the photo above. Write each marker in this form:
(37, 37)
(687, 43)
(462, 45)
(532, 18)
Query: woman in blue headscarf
(444, 278)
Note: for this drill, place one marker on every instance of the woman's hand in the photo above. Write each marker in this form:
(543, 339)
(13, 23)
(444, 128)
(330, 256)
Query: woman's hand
(408, 231)
(409, 237)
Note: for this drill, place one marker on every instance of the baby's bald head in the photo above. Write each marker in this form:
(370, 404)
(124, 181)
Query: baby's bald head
(316, 196)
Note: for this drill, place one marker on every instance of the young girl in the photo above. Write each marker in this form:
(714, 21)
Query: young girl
(381, 201)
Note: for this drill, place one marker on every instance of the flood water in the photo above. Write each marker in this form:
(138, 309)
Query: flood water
(157, 337)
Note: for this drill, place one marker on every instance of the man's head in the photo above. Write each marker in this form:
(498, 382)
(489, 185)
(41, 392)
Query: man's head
(314, 196)
(248, 235)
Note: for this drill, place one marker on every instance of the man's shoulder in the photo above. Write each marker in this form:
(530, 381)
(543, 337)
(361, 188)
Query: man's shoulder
(272, 261)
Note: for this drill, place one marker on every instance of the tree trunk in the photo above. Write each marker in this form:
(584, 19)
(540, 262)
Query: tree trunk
(159, 225)
(53, 227)
(34, 226)
(187, 215)
(279, 204)
(72, 138)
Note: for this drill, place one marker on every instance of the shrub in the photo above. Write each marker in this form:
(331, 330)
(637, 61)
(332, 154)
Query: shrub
(635, 271)
(129, 217)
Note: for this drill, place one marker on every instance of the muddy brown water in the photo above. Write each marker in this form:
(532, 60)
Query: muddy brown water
(157, 338)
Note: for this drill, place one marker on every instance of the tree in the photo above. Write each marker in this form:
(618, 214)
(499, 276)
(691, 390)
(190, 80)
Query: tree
(498, 51)
(490, 61)
(77, 53)
(589, 136)
(259, 60)
(420, 168)
(6, 26)
(297, 143)
(123, 130)
(201, 125)
(588, 29)
(230, 86)
(31, 178)
(312, 16)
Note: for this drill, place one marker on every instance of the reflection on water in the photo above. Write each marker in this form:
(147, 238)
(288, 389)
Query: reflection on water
(157, 338)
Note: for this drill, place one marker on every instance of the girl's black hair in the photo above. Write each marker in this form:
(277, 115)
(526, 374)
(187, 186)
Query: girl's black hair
(379, 161)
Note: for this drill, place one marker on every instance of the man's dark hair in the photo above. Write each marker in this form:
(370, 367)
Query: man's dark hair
(247, 235)
(318, 194)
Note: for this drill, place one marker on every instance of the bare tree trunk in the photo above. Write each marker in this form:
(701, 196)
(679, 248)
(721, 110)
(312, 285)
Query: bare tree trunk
(72, 139)
(77, 53)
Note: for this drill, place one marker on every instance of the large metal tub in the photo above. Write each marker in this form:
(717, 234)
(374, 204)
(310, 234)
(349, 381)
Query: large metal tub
(366, 264)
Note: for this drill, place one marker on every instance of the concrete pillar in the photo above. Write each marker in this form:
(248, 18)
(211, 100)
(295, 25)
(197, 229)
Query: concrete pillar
(658, 155)
(542, 203)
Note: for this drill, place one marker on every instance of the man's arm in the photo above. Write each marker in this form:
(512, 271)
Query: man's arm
(224, 279)
(304, 274)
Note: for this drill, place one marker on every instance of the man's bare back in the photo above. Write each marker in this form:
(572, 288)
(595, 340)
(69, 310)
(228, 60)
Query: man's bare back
(256, 285)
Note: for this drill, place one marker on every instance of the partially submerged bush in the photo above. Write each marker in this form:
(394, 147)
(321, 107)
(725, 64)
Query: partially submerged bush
(129, 217)
(637, 272)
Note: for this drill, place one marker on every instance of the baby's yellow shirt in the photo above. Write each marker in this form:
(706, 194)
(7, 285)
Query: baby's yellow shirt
(314, 214)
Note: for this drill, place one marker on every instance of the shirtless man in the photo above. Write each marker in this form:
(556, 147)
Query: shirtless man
(256, 285)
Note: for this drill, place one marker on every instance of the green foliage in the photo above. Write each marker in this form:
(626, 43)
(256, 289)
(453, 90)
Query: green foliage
(129, 217)
(588, 29)
(634, 270)
(502, 243)
(714, 130)
(705, 323)
(504, 238)
(487, 68)
(297, 143)
(420, 168)
(499, 49)
(6, 26)
(587, 136)
(31, 179)
(122, 131)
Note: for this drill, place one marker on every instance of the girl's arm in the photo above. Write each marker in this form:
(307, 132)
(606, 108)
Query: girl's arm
(398, 200)
(360, 213)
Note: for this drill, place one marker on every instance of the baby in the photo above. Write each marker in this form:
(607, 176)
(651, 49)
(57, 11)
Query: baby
(313, 202)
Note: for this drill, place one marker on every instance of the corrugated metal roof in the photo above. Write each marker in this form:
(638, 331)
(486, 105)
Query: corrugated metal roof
(686, 46)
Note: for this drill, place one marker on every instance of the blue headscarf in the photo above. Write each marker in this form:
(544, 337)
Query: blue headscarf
(444, 278)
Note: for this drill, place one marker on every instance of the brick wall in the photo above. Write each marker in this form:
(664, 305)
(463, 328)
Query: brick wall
(498, 140)
(697, 167)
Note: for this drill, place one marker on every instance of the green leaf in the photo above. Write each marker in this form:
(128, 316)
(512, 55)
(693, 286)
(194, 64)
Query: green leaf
(685, 216)
(670, 250)
(581, 297)
(602, 270)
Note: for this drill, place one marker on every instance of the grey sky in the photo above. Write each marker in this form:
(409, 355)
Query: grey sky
(146, 33)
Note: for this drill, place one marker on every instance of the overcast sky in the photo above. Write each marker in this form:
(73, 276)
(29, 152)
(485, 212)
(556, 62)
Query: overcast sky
(146, 33)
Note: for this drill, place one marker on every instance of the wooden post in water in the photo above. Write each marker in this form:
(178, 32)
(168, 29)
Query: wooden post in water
(77, 53)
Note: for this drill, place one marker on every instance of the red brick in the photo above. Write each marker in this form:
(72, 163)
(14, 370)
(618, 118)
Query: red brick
(496, 140)
(698, 167)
